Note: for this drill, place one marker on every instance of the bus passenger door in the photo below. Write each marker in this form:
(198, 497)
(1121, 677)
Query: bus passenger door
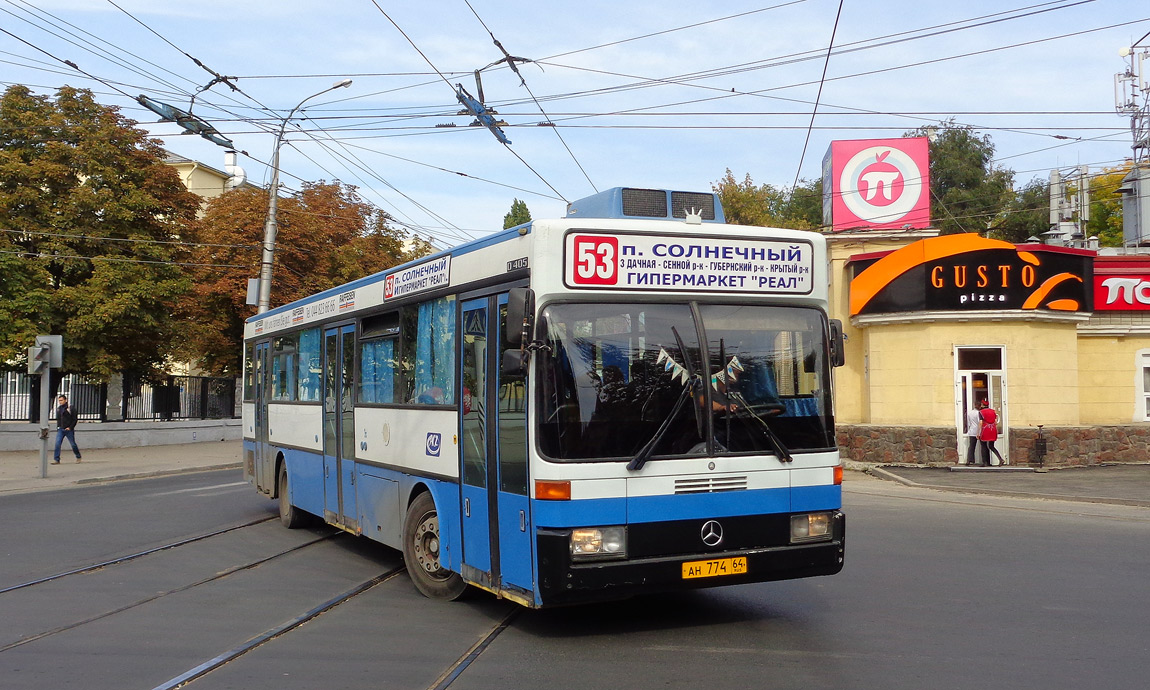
(516, 545)
(475, 442)
(339, 427)
(497, 544)
(265, 465)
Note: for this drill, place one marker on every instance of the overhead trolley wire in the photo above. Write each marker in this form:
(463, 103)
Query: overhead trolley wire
(445, 80)
(818, 97)
(523, 82)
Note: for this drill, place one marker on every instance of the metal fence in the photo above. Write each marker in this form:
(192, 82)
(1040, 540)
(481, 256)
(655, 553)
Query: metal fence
(177, 397)
(20, 397)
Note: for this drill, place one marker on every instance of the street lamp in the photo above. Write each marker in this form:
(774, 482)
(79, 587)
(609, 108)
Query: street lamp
(270, 227)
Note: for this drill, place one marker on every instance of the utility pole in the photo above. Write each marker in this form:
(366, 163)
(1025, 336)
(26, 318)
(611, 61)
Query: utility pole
(271, 228)
(1132, 98)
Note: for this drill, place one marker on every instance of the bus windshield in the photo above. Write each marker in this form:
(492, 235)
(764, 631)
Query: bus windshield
(614, 374)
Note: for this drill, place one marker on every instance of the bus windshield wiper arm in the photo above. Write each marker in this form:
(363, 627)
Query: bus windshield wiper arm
(772, 438)
(644, 453)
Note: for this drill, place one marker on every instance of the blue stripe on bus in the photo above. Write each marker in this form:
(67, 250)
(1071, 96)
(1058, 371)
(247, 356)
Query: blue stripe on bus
(810, 498)
(462, 249)
(617, 511)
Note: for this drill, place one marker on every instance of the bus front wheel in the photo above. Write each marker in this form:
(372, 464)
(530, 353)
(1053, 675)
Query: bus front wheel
(421, 548)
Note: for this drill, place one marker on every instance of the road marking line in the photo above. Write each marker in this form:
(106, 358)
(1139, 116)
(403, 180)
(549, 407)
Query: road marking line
(198, 488)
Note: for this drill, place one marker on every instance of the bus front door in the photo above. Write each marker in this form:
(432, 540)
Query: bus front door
(339, 427)
(497, 544)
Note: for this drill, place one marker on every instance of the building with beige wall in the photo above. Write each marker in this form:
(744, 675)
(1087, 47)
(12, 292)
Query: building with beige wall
(204, 180)
(1051, 352)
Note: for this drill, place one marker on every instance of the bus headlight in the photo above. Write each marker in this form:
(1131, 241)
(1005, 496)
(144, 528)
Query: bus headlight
(810, 527)
(597, 543)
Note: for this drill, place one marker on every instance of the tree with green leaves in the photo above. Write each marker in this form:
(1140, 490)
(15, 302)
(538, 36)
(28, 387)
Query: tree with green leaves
(968, 192)
(327, 236)
(1026, 214)
(1106, 206)
(518, 214)
(91, 222)
(745, 203)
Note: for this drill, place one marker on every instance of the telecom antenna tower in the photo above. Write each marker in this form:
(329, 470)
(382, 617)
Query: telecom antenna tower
(1132, 98)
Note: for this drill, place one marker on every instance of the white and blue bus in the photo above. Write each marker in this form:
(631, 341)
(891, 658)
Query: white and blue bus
(633, 398)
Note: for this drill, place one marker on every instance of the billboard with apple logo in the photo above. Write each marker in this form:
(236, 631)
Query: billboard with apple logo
(877, 184)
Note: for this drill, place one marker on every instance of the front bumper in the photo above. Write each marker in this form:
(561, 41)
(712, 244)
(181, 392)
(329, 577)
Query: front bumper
(563, 582)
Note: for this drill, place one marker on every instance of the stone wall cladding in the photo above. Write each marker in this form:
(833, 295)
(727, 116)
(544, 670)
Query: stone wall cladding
(1065, 446)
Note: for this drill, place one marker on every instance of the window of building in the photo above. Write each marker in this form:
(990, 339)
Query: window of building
(1143, 364)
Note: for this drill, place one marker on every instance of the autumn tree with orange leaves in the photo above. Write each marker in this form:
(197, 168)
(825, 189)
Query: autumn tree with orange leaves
(327, 236)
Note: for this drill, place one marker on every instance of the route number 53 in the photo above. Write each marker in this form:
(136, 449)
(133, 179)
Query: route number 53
(596, 260)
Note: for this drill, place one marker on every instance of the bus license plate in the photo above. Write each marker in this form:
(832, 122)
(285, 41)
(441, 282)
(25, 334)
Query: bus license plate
(715, 568)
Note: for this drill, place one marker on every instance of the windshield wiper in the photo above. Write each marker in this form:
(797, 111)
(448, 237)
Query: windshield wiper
(644, 453)
(772, 438)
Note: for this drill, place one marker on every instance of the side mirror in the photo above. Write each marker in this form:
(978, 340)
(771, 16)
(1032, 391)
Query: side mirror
(520, 317)
(513, 364)
(838, 344)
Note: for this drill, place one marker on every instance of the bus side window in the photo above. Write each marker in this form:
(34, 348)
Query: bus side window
(308, 362)
(429, 352)
(378, 367)
(284, 368)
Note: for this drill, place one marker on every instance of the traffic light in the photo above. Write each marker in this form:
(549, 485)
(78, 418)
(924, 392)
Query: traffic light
(39, 358)
(47, 353)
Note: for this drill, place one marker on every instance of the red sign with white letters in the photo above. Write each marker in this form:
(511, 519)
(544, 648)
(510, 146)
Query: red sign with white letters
(1121, 283)
(595, 260)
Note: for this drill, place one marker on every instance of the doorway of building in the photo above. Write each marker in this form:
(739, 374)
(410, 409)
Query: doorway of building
(980, 374)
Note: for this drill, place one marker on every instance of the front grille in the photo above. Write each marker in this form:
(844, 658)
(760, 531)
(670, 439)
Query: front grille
(684, 537)
(706, 485)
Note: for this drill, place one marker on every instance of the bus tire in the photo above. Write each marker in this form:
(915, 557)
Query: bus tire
(291, 516)
(421, 548)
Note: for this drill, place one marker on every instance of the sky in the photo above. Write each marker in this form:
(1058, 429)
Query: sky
(665, 94)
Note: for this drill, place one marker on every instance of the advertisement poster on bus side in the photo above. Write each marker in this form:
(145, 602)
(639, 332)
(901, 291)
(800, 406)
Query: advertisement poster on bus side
(687, 264)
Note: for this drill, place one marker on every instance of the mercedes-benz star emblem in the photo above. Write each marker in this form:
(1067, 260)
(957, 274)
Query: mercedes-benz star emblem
(712, 533)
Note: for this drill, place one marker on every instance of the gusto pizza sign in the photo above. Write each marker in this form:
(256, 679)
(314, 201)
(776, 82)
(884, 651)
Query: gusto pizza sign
(877, 184)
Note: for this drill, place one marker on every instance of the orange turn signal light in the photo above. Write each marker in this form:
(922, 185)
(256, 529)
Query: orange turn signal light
(552, 491)
(838, 475)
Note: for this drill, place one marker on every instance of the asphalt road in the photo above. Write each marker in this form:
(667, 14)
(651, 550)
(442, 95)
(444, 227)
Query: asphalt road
(939, 591)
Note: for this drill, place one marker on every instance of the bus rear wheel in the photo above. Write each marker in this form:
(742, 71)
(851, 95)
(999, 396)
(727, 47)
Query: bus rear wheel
(421, 548)
(290, 516)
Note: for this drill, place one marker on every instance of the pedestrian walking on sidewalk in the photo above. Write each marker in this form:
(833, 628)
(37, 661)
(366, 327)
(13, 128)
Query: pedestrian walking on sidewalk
(973, 426)
(989, 434)
(65, 428)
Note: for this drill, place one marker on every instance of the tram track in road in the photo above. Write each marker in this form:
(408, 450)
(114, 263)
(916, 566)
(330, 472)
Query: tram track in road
(227, 572)
(452, 672)
(270, 634)
(133, 556)
(442, 682)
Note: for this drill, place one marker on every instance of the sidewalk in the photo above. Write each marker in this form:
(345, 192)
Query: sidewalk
(1114, 484)
(20, 470)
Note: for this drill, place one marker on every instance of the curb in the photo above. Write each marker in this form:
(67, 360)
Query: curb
(158, 473)
(90, 481)
(881, 473)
